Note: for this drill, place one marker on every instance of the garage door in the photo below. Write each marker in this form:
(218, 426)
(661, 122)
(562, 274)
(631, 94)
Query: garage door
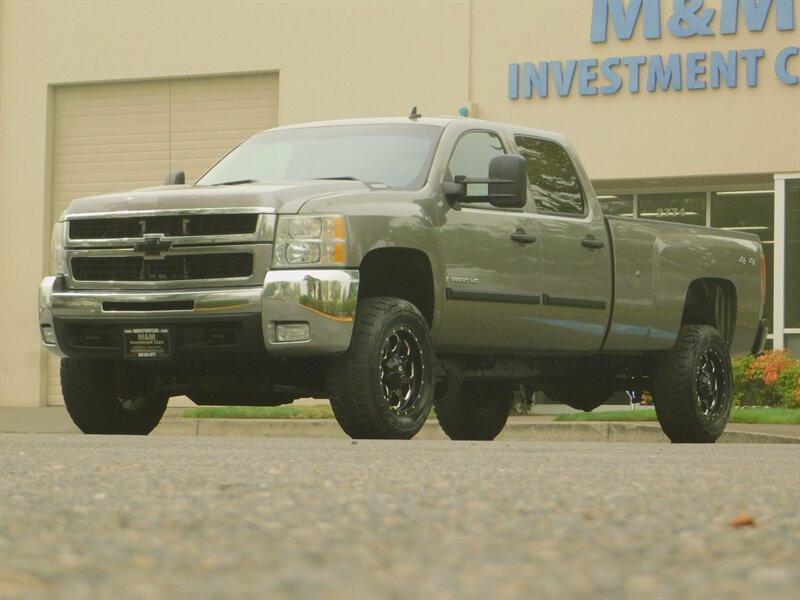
(111, 137)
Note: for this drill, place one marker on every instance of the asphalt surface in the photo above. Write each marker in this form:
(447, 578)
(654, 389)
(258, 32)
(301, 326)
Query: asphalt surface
(85, 517)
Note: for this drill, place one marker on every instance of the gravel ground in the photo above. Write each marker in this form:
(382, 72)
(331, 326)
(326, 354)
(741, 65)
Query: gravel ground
(84, 517)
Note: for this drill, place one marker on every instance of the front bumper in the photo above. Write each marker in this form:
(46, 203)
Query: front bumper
(324, 299)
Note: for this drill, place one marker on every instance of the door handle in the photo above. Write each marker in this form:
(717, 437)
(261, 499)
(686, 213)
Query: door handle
(523, 238)
(592, 243)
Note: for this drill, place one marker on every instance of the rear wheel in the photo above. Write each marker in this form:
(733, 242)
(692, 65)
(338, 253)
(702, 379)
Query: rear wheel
(476, 411)
(91, 399)
(382, 388)
(692, 386)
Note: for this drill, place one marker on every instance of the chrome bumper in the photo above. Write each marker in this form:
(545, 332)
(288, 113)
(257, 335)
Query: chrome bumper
(325, 299)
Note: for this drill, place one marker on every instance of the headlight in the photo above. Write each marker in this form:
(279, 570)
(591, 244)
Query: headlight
(58, 256)
(310, 241)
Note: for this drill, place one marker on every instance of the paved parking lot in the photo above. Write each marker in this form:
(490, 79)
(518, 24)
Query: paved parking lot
(160, 517)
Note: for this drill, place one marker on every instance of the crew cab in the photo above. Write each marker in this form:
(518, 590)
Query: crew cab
(391, 265)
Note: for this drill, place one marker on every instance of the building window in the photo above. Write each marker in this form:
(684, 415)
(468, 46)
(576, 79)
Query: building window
(620, 205)
(752, 212)
(791, 281)
(680, 207)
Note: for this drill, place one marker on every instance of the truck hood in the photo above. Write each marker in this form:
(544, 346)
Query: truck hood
(286, 197)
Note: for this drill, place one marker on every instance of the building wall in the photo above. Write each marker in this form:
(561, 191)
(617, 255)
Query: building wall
(345, 59)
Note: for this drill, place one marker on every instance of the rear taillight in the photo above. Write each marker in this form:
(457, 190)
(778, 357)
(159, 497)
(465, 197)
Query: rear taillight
(763, 280)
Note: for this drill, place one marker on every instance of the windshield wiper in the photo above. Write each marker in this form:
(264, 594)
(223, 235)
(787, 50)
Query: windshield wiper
(238, 182)
(342, 178)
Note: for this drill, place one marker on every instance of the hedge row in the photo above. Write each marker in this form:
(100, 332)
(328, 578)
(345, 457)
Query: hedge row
(769, 379)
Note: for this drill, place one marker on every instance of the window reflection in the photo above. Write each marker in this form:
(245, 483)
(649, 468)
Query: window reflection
(678, 207)
(751, 212)
(552, 180)
(620, 205)
(792, 269)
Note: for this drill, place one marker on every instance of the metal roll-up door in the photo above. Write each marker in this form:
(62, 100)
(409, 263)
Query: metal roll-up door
(119, 136)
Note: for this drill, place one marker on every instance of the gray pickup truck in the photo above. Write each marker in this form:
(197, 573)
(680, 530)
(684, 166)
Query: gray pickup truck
(391, 265)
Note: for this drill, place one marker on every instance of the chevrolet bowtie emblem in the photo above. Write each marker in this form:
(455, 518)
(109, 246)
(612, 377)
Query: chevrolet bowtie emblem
(153, 246)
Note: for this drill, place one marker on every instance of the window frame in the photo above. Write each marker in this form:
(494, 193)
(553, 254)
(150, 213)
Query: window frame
(484, 205)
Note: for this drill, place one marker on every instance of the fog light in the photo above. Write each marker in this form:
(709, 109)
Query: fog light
(292, 332)
(48, 335)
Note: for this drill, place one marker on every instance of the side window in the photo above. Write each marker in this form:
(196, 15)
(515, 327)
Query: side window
(471, 158)
(552, 180)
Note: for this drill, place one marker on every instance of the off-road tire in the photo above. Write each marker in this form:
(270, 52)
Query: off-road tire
(692, 386)
(95, 407)
(476, 411)
(365, 384)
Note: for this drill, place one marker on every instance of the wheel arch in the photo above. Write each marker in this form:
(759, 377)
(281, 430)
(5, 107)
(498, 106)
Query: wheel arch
(399, 272)
(711, 301)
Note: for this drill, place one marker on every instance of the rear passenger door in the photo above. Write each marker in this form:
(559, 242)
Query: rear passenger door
(575, 251)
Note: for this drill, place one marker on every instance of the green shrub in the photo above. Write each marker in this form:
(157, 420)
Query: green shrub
(769, 379)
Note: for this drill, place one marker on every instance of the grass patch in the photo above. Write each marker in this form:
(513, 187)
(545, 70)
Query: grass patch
(286, 411)
(764, 416)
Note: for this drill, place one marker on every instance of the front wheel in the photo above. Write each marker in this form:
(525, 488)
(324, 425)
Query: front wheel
(382, 388)
(93, 402)
(692, 386)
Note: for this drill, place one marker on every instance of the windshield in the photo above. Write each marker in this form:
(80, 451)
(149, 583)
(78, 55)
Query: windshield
(396, 155)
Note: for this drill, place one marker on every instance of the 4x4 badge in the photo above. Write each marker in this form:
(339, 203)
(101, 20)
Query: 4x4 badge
(153, 246)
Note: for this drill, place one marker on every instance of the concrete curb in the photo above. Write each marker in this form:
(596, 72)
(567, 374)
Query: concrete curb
(530, 432)
(539, 428)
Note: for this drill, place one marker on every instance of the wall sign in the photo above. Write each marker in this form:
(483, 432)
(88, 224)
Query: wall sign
(689, 71)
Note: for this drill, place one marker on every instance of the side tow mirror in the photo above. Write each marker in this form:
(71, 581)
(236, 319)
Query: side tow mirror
(175, 178)
(510, 186)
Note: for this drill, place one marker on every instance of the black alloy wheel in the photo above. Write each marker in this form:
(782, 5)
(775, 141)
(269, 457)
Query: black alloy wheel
(382, 387)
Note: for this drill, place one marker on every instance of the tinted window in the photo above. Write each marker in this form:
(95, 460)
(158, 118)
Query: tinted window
(552, 180)
(617, 204)
(471, 158)
(679, 207)
(753, 213)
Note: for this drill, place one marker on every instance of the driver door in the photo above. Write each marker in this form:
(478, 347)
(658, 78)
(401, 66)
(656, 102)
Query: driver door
(491, 262)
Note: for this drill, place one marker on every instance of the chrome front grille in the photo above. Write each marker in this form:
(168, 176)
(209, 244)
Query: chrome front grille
(170, 268)
(169, 249)
(168, 225)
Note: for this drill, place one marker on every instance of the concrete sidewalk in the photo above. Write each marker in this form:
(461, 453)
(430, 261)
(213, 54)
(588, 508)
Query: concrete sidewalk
(538, 427)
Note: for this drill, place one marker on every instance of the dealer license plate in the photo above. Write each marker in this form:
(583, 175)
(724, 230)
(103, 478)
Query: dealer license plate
(147, 342)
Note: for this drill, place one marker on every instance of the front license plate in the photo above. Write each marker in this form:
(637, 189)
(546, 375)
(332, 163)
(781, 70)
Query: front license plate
(147, 342)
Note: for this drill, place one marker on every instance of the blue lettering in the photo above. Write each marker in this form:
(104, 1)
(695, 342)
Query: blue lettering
(755, 15)
(694, 70)
(531, 78)
(513, 80)
(624, 21)
(751, 58)
(780, 65)
(657, 74)
(563, 75)
(614, 79)
(727, 69)
(586, 75)
(689, 19)
(634, 64)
